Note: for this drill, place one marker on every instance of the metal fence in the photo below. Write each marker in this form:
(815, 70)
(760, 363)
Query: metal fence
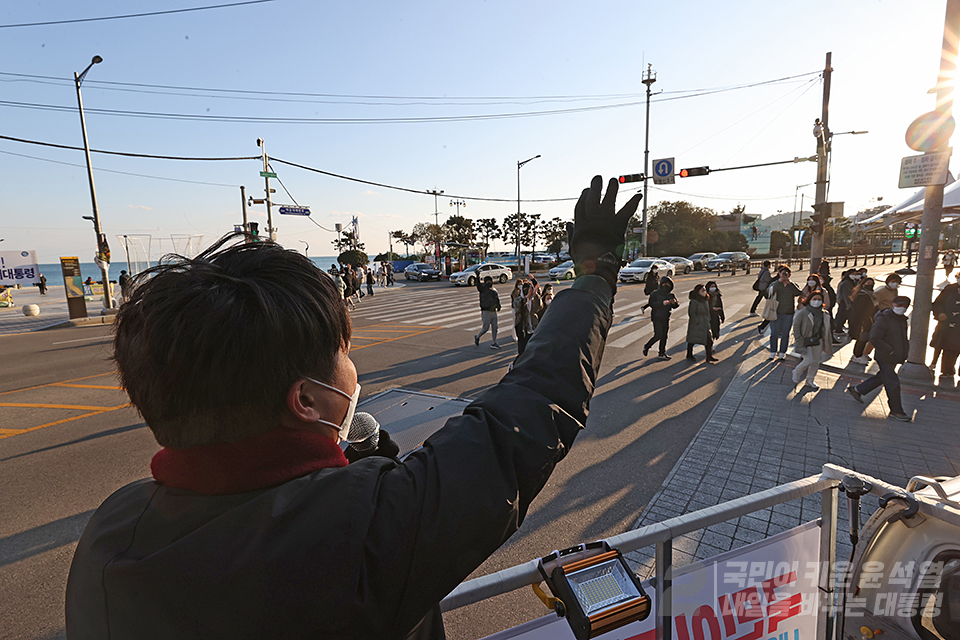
(663, 534)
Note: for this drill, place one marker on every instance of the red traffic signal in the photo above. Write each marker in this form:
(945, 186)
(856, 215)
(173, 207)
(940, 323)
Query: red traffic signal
(694, 171)
(632, 177)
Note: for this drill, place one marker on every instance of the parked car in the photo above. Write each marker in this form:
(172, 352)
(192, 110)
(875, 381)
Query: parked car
(544, 258)
(469, 276)
(682, 265)
(563, 271)
(421, 271)
(730, 261)
(637, 270)
(699, 260)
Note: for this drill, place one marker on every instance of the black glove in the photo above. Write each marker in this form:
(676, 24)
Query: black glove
(386, 448)
(596, 235)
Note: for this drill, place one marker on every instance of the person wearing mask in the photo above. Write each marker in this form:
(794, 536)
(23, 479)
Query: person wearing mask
(517, 290)
(522, 320)
(651, 282)
(946, 337)
(489, 308)
(889, 335)
(546, 297)
(949, 262)
(370, 281)
(810, 327)
(254, 525)
(390, 276)
(848, 280)
(764, 278)
(885, 294)
(698, 327)
(785, 292)
(861, 319)
(717, 316)
(662, 303)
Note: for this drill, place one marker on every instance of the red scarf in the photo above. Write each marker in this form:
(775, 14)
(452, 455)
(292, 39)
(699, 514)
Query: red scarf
(265, 460)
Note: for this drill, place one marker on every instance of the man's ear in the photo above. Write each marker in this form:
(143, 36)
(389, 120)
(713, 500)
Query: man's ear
(303, 403)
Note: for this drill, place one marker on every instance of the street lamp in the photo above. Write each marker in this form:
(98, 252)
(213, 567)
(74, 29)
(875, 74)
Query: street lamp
(458, 204)
(101, 239)
(520, 166)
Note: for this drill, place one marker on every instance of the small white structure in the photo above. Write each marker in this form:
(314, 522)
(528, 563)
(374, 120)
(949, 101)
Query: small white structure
(31, 309)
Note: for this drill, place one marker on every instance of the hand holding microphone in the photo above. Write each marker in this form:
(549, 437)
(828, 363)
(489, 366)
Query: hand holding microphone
(366, 438)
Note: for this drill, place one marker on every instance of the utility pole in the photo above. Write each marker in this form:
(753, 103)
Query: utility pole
(458, 204)
(271, 232)
(822, 132)
(648, 79)
(436, 220)
(101, 239)
(916, 365)
(519, 231)
(243, 202)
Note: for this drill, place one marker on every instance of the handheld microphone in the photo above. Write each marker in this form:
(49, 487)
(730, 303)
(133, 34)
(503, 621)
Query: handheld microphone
(364, 435)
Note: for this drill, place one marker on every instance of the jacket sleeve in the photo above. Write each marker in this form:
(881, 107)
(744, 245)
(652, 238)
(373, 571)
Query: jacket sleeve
(453, 502)
(879, 337)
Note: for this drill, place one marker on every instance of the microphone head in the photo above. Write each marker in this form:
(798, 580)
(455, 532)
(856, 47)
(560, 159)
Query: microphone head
(364, 432)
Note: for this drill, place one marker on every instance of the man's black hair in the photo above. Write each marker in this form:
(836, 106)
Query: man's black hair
(207, 347)
(488, 280)
(766, 263)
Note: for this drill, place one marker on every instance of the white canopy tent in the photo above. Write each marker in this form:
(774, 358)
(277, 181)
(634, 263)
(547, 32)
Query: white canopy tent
(911, 209)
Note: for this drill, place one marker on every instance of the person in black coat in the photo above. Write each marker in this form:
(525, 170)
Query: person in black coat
(698, 328)
(489, 308)
(716, 309)
(888, 334)
(662, 302)
(946, 337)
(254, 525)
(863, 310)
(651, 282)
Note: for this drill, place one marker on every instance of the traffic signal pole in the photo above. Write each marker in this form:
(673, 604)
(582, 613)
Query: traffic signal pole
(823, 151)
(648, 79)
(916, 365)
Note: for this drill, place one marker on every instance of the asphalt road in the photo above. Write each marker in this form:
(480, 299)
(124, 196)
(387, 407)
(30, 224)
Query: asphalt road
(68, 439)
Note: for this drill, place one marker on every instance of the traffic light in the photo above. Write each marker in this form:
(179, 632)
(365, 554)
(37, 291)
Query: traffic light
(632, 177)
(254, 230)
(694, 171)
(819, 217)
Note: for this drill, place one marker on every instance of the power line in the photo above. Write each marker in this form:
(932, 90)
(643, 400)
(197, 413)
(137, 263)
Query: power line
(126, 153)
(132, 15)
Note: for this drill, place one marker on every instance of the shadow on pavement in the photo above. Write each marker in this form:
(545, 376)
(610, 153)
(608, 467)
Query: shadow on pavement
(43, 538)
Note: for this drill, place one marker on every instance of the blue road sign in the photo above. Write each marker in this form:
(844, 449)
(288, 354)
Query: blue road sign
(663, 171)
(294, 211)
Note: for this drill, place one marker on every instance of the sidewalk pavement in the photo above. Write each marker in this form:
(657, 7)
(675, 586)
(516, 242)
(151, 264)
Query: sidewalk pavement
(767, 431)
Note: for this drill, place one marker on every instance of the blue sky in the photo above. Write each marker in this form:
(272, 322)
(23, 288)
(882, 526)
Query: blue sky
(446, 59)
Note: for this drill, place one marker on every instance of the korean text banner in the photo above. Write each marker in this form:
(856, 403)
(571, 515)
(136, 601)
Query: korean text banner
(18, 267)
(764, 591)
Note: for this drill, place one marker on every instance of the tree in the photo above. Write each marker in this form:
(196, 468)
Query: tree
(402, 237)
(779, 240)
(460, 230)
(554, 234)
(509, 230)
(488, 228)
(353, 257)
(682, 228)
(427, 233)
(345, 241)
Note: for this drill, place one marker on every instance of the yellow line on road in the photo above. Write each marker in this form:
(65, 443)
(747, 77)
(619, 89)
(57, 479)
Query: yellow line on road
(29, 405)
(15, 432)
(409, 335)
(85, 386)
(50, 384)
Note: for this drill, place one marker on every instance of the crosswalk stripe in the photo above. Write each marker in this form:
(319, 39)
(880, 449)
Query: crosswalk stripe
(625, 324)
(630, 338)
(440, 320)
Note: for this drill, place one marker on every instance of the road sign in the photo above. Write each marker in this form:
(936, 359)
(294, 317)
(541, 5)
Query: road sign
(923, 171)
(268, 174)
(289, 210)
(930, 131)
(663, 171)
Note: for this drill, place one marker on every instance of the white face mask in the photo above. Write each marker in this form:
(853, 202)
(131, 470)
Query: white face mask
(344, 427)
(899, 310)
(811, 283)
(893, 285)
(816, 303)
(855, 277)
(713, 289)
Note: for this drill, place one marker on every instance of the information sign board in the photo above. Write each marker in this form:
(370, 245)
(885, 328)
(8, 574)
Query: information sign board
(289, 210)
(18, 267)
(663, 171)
(926, 170)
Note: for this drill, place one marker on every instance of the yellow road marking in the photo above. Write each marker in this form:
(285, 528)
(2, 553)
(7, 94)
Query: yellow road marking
(50, 384)
(30, 405)
(409, 335)
(14, 432)
(85, 386)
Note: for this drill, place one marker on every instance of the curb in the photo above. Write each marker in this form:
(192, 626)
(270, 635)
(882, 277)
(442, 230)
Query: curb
(82, 322)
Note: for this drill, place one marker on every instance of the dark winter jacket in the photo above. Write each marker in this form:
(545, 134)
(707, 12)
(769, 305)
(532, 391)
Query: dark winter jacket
(763, 279)
(888, 335)
(362, 551)
(663, 294)
(786, 294)
(861, 316)
(698, 328)
(716, 300)
(845, 292)
(651, 282)
(489, 298)
(947, 334)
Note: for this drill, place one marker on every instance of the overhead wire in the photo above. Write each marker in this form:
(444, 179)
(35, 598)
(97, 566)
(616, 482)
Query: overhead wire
(133, 15)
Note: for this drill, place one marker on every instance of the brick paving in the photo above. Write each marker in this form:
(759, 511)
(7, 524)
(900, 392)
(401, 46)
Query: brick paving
(767, 431)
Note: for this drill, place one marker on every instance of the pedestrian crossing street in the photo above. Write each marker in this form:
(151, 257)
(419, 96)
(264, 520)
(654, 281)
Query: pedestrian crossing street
(459, 309)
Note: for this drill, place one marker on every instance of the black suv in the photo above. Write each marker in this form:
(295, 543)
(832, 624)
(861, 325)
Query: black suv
(730, 261)
(421, 271)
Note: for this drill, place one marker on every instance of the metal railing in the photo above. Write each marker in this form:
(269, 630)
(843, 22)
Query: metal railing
(662, 535)
(837, 262)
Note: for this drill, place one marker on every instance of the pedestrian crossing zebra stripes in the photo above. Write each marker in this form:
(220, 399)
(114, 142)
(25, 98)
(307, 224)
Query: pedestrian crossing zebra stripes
(457, 309)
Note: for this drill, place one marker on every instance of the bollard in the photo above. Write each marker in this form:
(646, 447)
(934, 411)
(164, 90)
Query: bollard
(31, 310)
(874, 258)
